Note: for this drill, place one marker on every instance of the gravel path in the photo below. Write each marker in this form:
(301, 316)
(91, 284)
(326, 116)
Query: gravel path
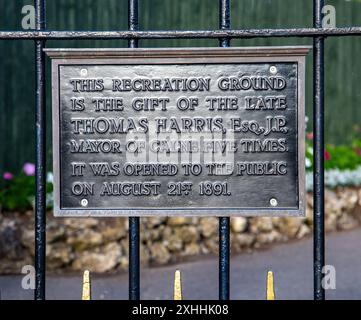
(291, 263)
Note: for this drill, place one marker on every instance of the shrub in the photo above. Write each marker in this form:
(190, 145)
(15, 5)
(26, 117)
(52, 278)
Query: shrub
(342, 157)
(18, 190)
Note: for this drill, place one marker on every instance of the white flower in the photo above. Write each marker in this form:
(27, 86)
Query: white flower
(337, 177)
(49, 177)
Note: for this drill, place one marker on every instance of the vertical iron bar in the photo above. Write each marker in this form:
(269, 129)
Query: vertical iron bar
(318, 154)
(40, 160)
(133, 21)
(134, 243)
(224, 222)
(224, 244)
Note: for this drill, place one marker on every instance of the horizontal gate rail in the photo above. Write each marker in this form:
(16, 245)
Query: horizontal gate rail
(176, 34)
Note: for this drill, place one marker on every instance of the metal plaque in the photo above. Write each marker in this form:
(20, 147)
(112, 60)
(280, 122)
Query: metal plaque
(195, 131)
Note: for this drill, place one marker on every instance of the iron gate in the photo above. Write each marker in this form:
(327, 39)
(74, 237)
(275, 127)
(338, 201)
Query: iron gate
(224, 34)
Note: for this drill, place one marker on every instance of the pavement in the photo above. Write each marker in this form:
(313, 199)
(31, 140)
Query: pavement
(291, 264)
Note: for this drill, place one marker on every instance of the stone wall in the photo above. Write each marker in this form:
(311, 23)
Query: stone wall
(101, 245)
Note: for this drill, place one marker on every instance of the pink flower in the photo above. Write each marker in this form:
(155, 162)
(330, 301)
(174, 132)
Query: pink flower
(8, 176)
(29, 169)
(327, 155)
(309, 136)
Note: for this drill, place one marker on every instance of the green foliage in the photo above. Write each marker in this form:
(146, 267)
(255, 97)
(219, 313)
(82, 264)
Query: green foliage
(342, 157)
(18, 193)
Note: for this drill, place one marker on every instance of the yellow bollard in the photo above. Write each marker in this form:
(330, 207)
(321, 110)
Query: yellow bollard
(270, 287)
(177, 286)
(86, 295)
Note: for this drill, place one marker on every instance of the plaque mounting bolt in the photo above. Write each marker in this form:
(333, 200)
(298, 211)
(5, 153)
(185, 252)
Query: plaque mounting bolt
(273, 69)
(84, 72)
(84, 202)
(273, 202)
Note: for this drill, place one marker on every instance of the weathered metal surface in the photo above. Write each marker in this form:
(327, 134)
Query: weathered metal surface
(318, 156)
(40, 156)
(237, 114)
(181, 34)
(224, 233)
(134, 223)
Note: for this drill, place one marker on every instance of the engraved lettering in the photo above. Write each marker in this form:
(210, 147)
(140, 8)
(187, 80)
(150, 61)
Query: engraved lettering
(130, 189)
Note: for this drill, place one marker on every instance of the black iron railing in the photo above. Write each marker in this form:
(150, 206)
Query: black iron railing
(224, 34)
(224, 222)
(134, 259)
(40, 156)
